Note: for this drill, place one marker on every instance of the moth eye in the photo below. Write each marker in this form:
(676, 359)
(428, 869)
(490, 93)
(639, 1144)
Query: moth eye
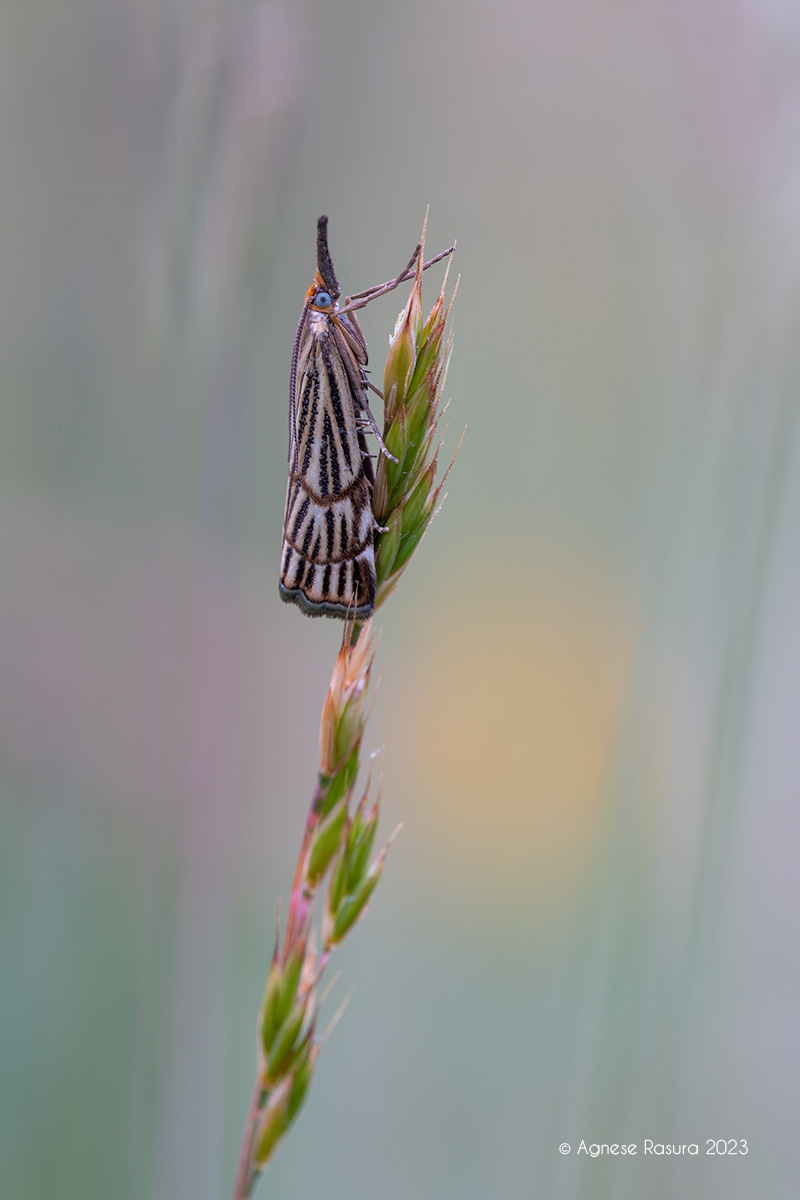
(323, 300)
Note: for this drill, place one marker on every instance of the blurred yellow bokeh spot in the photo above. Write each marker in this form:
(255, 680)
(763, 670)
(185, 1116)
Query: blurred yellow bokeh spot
(512, 726)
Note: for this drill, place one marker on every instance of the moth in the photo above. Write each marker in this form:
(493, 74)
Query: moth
(328, 555)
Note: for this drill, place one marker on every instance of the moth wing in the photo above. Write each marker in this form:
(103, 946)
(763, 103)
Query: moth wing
(328, 560)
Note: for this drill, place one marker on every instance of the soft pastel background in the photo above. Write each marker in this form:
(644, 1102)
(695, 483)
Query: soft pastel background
(590, 701)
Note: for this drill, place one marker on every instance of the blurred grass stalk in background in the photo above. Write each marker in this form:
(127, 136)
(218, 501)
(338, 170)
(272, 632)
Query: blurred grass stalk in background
(337, 841)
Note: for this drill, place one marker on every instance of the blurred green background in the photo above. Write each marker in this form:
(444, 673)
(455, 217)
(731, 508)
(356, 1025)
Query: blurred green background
(587, 928)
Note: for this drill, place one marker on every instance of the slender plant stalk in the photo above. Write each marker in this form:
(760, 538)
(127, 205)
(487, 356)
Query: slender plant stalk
(339, 834)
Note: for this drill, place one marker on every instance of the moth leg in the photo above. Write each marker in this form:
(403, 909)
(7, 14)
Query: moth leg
(373, 424)
(359, 299)
(372, 387)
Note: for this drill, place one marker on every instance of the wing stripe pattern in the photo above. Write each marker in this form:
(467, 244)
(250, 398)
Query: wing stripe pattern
(302, 426)
(344, 433)
(328, 560)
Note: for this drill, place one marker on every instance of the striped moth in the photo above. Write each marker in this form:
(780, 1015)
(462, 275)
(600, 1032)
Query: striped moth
(328, 557)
